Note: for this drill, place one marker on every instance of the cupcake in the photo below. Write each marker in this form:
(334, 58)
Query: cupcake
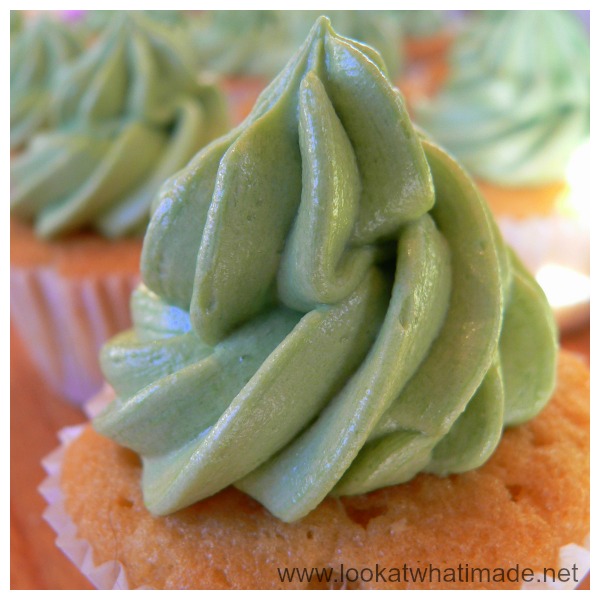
(39, 49)
(514, 110)
(329, 340)
(126, 115)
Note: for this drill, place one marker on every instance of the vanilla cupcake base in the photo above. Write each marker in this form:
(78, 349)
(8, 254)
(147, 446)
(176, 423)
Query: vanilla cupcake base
(528, 506)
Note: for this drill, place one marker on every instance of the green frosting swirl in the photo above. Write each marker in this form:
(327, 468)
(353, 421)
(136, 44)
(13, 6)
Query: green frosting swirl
(126, 115)
(259, 43)
(38, 51)
(327, 305)
(517, 102)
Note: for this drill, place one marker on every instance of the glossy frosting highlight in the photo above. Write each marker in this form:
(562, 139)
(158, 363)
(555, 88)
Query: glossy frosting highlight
(327, 305)
(517, 102)
(127, 115)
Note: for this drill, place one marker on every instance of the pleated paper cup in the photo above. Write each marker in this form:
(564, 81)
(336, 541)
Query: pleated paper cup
(67, 299)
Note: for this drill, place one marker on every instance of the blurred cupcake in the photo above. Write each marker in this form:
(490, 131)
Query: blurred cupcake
(515, 111)
(38, 50)
(126, 115)
(248, 48)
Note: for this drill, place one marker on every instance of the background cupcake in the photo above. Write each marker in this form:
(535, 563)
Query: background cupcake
(123, 117)
(515, 110)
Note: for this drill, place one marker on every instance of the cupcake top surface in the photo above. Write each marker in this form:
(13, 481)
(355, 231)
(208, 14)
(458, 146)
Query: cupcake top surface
(125, 116)
(259, 43)
(517, 101)
(39, 49)
(327, 306)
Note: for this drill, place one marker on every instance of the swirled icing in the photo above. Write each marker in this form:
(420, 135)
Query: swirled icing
(517, 102)
(327, 305)
(36, 54)
(128, 114)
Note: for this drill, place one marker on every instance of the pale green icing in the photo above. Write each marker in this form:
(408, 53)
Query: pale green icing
(327, 306)
(126, 115)
(517, 101)
(260, 42)
(37, 51)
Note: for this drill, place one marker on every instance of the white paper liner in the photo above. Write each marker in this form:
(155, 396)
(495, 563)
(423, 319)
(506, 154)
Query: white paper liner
(64, 322)
(111, 574)
(107, 576)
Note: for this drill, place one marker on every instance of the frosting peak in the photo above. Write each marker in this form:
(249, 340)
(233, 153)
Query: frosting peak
(327, 305)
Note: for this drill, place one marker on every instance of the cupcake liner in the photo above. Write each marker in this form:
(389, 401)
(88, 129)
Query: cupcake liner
(63, 322)
(108, 576)
(111, 574)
